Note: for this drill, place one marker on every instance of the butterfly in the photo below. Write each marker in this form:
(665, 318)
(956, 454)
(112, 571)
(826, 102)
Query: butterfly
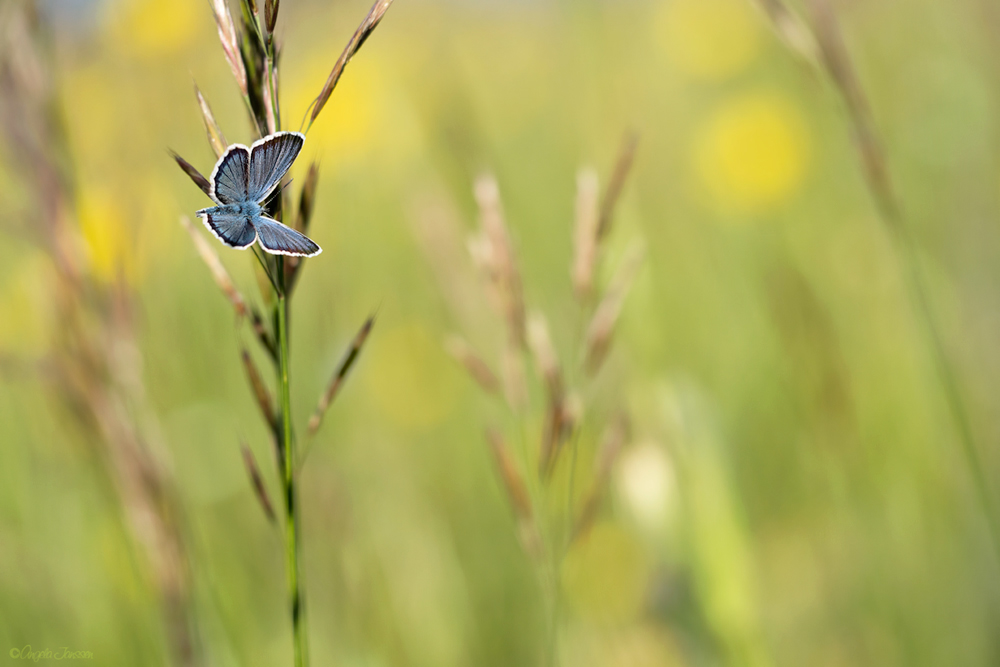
(241, 180)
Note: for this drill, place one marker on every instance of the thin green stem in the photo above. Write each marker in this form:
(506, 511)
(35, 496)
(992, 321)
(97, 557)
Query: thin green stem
(916, 284)
(288, 482)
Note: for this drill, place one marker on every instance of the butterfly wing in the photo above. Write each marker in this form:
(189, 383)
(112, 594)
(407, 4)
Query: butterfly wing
(278, 239)
(228, 183)
(270, 158)
(235, 230)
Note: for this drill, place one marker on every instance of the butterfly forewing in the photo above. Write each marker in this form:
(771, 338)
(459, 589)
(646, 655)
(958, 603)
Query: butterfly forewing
(236, 231)
(276, 238)
(270, 158)
(230, 176)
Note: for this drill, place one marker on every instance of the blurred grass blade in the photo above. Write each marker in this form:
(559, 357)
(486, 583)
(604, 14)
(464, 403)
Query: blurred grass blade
(371, 21)
(791, 29)
(517, 493)
(215, 136)
(612, 443)
(585, 233)
(623, 166)
(260, 391)
(346, 363)
(477, 368)
(230, 42)
(257, 481)
(192, 173)
(602, 325)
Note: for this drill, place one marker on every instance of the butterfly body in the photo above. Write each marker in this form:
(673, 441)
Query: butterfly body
(242, 179)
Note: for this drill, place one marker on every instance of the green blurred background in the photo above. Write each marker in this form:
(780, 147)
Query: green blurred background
(794, 492)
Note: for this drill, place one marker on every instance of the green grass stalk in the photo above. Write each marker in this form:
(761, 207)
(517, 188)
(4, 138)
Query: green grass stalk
(292, 556)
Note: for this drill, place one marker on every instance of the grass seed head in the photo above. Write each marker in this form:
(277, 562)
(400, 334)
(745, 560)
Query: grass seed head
(215, 137)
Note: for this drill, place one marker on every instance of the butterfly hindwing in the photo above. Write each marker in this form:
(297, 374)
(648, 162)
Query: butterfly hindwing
(230, 176)
(235, 230)
(270, 158)
(279, 239)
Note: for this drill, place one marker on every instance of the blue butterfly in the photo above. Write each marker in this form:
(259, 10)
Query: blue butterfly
(242, 179)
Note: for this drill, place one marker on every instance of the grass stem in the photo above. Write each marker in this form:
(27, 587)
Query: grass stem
(288, 481)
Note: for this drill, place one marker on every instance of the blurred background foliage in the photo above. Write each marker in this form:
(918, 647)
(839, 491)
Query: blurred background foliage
(794, 492)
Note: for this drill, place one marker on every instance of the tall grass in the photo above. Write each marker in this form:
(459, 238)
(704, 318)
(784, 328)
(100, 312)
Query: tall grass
(253, 51)
(821, 44)
(554, 503)
(92, 367)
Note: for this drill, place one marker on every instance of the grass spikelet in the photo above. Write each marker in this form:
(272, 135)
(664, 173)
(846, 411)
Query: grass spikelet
(215, 136)
(340, 374)
(500, 258)
(364, 30)
(257, 482)
(540, 344)
(478, 369)
(230, 43)
(585, 233)
(192, 173)
(602, 325)
(626, 156)
(614, 440)
(517, 493)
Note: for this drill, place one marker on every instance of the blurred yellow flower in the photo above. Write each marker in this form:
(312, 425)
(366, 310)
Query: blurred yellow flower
(708, 39)
(108, 242)
(157, 28)
(753, 153)
(406, 377)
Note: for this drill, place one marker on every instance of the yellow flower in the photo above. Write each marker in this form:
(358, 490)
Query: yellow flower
(753, 153)
(108, 242)
(708, 39)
